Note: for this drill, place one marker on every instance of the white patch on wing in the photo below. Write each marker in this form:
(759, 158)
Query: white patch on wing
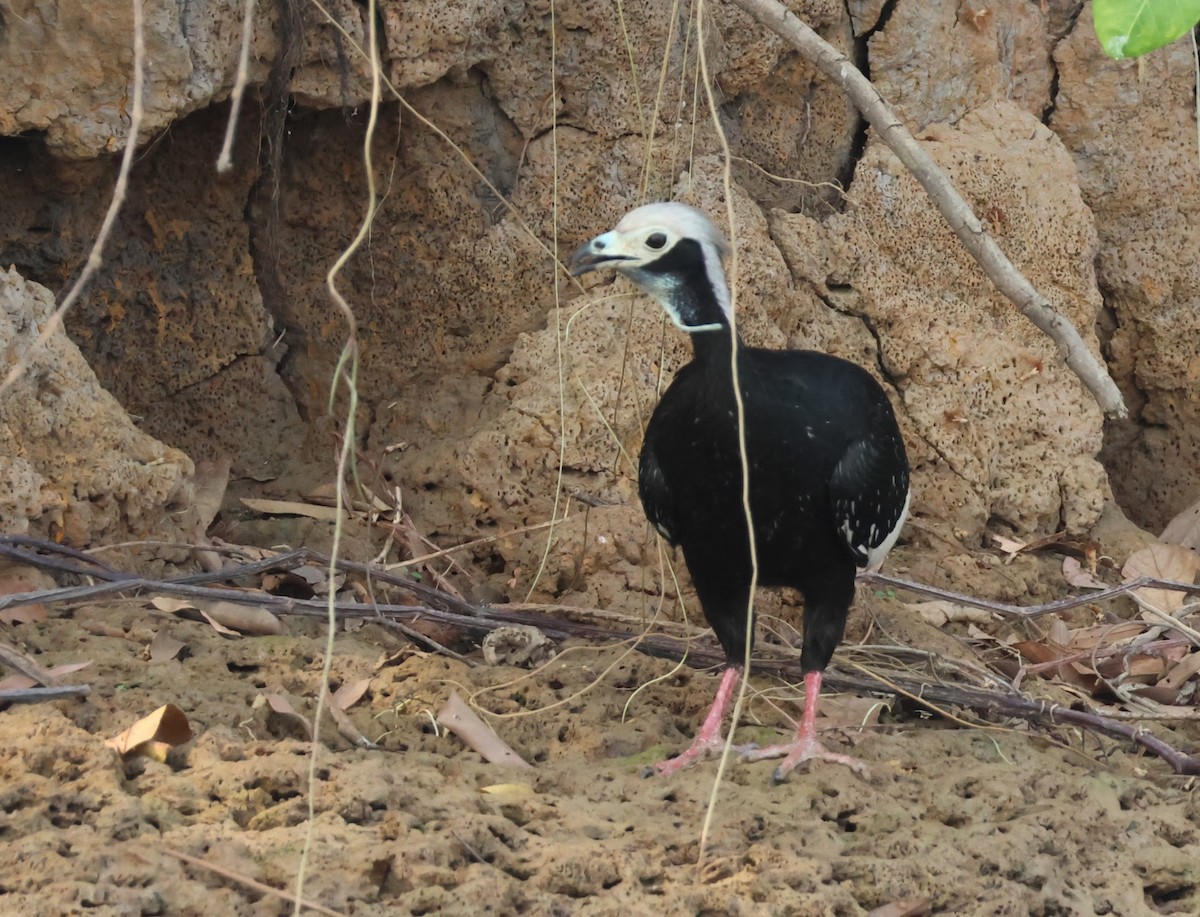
(876, 554)
(871, 546)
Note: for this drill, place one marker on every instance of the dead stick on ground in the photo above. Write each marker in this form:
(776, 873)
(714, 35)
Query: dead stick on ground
(987, 703)
(478, 620)
(1029, 611)
(1010, 281)
(248, 882)
(453, 609)
(38, 695)
(19, 662)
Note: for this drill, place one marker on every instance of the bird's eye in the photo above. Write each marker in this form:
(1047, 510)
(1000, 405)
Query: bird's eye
(656, 240)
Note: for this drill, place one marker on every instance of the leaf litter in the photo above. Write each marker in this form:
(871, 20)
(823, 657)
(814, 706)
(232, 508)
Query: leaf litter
(154, 735)
(1151, 658)
(1099, 633)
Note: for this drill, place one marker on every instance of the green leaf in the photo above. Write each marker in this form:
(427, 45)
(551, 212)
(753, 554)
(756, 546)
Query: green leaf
(1129, 28)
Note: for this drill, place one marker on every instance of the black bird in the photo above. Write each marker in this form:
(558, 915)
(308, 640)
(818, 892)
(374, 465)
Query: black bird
(827, 467)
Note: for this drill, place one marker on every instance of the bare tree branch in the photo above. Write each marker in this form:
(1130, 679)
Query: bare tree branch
(478, 620)
(1030, 611)
(19, 662)
(1010, 281)
(38, 695)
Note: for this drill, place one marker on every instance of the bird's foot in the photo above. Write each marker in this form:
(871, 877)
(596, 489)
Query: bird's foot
(703, 747)
(803, 748)
(708, 740)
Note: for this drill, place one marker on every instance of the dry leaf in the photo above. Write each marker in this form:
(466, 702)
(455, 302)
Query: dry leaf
(20, 614)
(17, 682)
(311, 574)
(218, 626)
(1164, 702)
(326, 495)
(281, 705)
(350, 693)
(248, 619)
(347, 729)
(1040, 653)
(976, 634)
(1178, 676)
(1141, 666)
(24, 614)
(508, 791)
(461, 720)
(1009, 546)
(940, 613)
(906, 907)
(1086, 639)
(1184, 529)
(1162, 561)
(164, 647)
(19, 662)
(1058, 633)
(68, 668)
(1077, 576)
(210, 481)
(291, 508)
(171, 605)
(165, 727)
(516, 644)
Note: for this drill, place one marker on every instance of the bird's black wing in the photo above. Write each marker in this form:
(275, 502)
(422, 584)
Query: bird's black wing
(869, 496)
(657, 498)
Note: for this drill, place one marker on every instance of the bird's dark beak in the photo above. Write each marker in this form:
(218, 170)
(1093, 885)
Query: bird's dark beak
(596, 253)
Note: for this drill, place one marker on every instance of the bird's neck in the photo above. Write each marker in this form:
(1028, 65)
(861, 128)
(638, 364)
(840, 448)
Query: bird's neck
(689, 284)
(712, 347)
(693, 304)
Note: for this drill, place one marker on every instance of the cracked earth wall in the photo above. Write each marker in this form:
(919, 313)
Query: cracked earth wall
(231, 338)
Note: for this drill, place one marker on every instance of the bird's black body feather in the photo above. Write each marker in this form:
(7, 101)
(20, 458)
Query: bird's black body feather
(827, 471)
(828, 481)
(820, 435)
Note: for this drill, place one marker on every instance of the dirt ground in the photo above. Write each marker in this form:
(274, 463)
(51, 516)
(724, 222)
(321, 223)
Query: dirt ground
(973, 821)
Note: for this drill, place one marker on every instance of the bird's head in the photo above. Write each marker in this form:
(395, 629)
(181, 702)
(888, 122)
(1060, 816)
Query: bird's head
(673, 252)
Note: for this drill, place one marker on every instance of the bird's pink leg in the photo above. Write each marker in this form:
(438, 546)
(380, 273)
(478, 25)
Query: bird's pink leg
(708, 740)
(806, 745)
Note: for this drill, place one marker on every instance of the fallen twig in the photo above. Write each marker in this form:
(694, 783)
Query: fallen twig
(417, 637)
(38, 695)
(989, 704)
(1028, 611)
(248, 882)
(442, 606)
(19, 662)
(478, 620)
(51, 552)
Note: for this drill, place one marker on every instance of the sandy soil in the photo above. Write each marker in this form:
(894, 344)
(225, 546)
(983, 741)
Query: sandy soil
(976, 821)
